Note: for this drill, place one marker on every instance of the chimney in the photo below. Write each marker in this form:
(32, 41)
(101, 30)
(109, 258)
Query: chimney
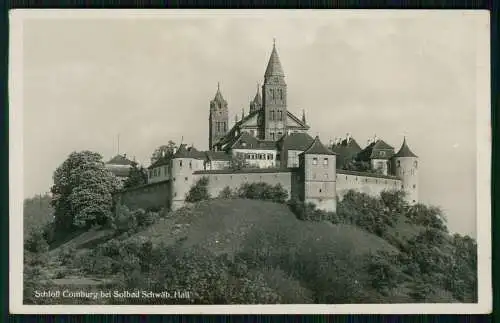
(125, 155)
(348, 137)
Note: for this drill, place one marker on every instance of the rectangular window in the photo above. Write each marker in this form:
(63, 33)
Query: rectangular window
(272, 115)
(272, 135)
(315, 161)
(225, 126)
(190, 165)
(180, 163)
(325, 161)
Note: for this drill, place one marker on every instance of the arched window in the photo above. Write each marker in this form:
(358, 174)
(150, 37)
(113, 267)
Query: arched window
(398, 163)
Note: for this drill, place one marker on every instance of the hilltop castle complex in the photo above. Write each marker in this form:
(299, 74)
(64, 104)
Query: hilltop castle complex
(272, 145)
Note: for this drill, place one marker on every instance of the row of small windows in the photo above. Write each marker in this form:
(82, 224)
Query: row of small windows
(315, 161)
(259, 156)
(415, 164)
(158, 172)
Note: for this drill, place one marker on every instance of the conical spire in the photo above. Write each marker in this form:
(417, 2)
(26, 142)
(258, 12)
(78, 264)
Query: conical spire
(303, 116)
(274, 66)
(405, 151)
(257, 99)
(218, 94)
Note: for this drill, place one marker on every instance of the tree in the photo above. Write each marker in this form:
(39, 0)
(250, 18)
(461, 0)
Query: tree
(82, 191)
(199, 191)
(238, 161)
(137, 176)
(164, 150)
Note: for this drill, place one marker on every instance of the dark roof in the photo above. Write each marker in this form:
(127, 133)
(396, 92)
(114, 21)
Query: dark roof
(380, 144)
(257, 99)
(404, 151)
(164, 160)
(376, 150)
(217, 155)
(296, 141)
(119, 171)
(317, 148)
(274, 65)
(120, 160)
(189, 152)
(346, 150)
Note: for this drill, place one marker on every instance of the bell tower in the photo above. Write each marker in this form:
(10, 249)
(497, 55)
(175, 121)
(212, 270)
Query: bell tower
(218, 119)
(274, 99)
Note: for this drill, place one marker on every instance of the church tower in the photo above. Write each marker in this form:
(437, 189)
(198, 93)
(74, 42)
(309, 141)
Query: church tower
(218, 119)
(274, 99)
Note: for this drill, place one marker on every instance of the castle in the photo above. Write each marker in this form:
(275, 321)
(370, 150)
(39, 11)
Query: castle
(272, 145)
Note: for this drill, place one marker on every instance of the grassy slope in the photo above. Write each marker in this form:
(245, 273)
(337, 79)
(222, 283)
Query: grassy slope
(233, 226)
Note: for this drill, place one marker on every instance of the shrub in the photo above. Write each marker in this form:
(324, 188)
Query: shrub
(263, 191)
(199, 191)
(36, 242)
(226, 193)
(67, 255)
(309, 212)
(145, 218)
(125, 220)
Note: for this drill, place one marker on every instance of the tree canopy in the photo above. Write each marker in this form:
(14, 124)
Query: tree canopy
(82, 191)
(137, 176)
(164, 150)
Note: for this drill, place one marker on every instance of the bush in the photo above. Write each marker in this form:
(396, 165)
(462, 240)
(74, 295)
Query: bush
(67, 255)
(226, 193)
(145, 218)
(36, 242)
(125, 220)
(263, 191)
(199, 191)
(309, 212)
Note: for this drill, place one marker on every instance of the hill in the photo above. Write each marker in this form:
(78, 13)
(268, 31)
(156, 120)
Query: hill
(254, 251)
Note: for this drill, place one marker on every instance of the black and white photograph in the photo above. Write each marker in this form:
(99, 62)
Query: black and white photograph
(250, 161)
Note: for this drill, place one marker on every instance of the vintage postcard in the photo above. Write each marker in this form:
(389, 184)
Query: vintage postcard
(240, 161)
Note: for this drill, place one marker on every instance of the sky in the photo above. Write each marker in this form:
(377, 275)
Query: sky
(150, 78)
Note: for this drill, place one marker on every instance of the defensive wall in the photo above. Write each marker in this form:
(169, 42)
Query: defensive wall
(158, 195)
(369, 183)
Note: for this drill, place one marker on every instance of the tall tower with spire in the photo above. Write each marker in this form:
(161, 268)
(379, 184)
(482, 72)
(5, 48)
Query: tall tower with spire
(274, 99)
(218, 119)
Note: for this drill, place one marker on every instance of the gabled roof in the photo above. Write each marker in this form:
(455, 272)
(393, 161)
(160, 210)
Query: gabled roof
(247, 141)
(380, 144)
(405, 151)
(301, 123)
(376, 150)
(217, 155)
(120, 160)
(295, 141)
(346, 150)
(317, 148)
(118, 171)
(274, 65)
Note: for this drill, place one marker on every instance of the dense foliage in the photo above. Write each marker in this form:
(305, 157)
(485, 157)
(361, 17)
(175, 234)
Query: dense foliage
(137, 176)
(248, 256)
(82, 191)
(199, 191)
(166, 151)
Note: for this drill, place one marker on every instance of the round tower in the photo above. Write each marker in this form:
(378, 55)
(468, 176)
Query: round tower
(405, 166)
(183, 166)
